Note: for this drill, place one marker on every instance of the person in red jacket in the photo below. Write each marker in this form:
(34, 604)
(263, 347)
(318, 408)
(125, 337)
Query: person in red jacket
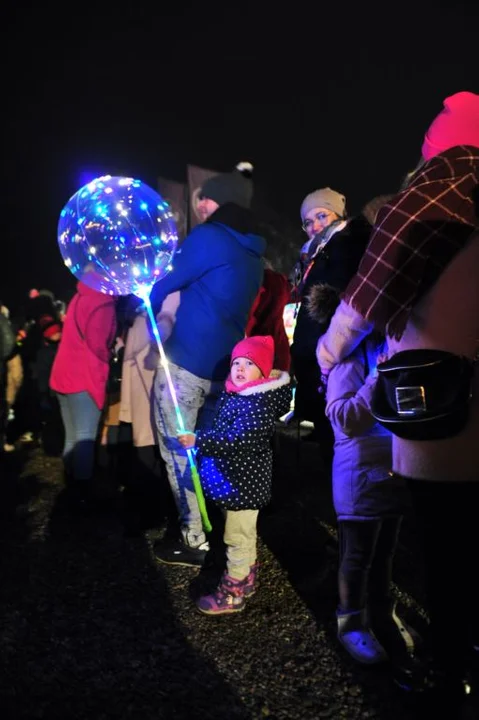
(266, 315)
(79, 377)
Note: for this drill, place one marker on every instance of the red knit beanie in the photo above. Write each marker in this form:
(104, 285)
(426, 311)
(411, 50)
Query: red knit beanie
(456, 124)
(259, 349)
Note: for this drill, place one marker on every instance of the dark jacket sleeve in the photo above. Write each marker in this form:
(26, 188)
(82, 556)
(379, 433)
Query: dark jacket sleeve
(334, 266)
(345, 252)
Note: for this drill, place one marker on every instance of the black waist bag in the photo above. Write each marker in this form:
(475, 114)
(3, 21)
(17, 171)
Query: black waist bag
(423, 394)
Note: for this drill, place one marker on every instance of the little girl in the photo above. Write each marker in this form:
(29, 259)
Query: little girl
(235, 461)
(369, 503)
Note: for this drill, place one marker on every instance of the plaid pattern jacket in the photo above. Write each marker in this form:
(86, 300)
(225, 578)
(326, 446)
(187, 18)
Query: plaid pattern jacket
(416, 235)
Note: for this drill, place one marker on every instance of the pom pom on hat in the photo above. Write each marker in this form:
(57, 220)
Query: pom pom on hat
(259, 349)
(234, 187)
(456, 124)
(245, 168)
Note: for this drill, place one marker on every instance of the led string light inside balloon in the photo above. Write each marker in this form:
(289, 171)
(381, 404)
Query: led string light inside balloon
(91, 213)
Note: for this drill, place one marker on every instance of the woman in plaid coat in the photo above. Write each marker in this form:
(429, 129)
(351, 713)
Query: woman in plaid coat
(418, 283)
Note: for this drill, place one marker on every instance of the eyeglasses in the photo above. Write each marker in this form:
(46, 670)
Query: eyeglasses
(321, 217)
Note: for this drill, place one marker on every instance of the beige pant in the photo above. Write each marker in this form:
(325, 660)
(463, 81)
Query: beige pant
(240, 538)
(14, 379)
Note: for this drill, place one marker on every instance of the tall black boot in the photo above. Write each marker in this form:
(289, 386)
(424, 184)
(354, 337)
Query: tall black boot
(78, 494)
(357, 541)
(75, 493)
(394, 634)
(147, 498)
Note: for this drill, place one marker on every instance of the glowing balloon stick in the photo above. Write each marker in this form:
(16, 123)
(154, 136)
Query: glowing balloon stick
(191, 458)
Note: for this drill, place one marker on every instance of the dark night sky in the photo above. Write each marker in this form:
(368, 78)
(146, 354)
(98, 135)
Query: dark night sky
(325, 96)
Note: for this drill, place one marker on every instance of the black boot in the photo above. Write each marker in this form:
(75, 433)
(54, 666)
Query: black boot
(78, 496)
(148, 502)
(393, 632)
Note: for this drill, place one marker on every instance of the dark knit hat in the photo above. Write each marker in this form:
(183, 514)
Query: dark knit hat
(234, 187)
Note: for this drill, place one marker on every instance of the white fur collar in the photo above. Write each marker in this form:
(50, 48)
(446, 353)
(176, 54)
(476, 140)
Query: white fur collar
(282, 378)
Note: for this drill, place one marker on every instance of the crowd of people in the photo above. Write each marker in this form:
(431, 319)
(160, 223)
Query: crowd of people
(388, 293)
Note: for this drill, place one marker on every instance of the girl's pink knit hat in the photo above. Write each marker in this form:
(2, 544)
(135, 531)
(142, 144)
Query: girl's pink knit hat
(259, 349)
(456, 124)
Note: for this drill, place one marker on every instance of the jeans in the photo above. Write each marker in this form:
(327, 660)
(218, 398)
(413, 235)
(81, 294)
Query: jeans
(197, 399)
(80, 417)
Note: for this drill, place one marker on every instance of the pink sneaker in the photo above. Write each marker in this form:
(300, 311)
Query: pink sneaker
(229, 597)
(251, 582)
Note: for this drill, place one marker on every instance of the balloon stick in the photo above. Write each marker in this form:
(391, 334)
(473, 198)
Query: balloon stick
(191, 458)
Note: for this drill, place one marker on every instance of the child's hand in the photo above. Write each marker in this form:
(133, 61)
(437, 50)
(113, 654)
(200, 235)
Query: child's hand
(186, 439)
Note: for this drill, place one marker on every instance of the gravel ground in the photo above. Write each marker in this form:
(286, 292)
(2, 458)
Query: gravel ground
(92, 627)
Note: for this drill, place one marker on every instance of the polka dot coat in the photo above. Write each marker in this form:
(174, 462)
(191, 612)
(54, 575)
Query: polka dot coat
(235, 457)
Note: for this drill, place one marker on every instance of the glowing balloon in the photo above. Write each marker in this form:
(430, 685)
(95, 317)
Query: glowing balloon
(118, 236)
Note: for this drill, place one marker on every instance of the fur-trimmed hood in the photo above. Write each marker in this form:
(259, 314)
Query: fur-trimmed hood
(321, 302)
(371, 209)
(277, 379)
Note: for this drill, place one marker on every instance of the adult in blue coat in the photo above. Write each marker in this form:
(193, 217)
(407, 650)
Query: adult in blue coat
(218, 272)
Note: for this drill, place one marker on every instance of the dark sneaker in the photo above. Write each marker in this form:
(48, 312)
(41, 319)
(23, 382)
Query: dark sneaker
(175, 552)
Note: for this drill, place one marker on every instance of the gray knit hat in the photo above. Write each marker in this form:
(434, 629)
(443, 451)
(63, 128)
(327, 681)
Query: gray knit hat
(324, 198)
(234, 187)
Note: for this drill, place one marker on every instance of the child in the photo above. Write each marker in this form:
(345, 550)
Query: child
(369, 502)
(236, 460)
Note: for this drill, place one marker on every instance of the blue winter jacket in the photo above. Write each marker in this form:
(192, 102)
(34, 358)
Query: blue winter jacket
(219, 272)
